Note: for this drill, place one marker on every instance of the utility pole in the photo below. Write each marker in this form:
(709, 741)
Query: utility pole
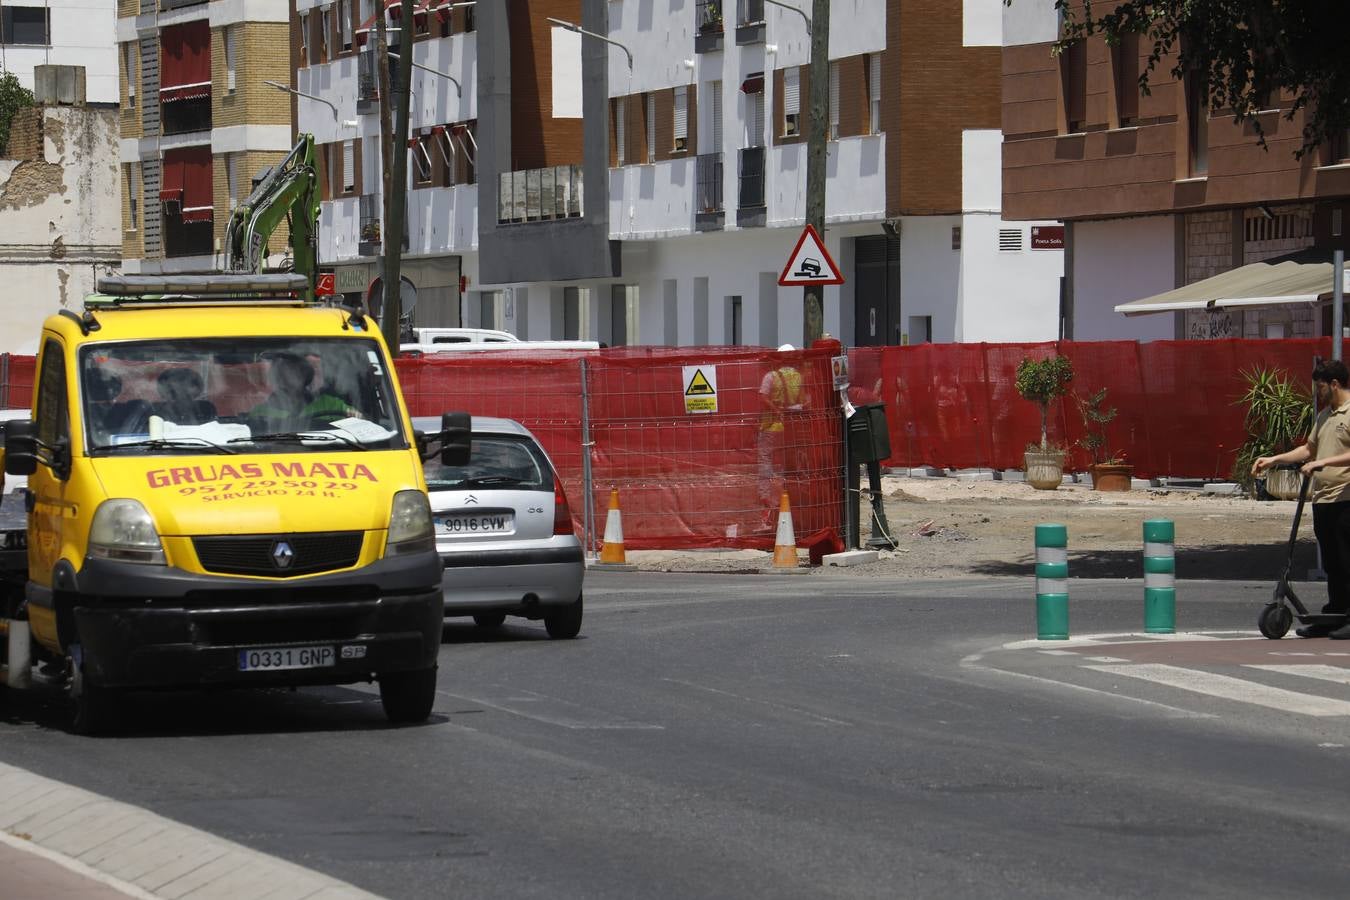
(394, 156)
(813, 295)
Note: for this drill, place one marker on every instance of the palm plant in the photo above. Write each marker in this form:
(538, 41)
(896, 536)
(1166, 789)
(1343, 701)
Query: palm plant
(1279, 415)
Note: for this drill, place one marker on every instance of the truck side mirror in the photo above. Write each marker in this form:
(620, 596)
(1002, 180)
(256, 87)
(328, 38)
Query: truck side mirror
(456, 438)
(20, 447)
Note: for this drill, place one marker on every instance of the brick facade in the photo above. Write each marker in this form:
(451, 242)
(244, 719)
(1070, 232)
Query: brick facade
(133, 239)
(262, 53)
(537, 139)
(246, 165)
(25, 135)
(130, 113)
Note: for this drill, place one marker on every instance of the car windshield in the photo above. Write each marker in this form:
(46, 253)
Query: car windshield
(494, 461)
(238, 395)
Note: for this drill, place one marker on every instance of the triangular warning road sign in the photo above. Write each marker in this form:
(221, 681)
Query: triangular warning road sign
(699, 386)
(810, 263)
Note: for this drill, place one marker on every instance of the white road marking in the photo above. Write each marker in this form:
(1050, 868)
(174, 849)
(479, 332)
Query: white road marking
(1130, 637)
(796, 710)
(1228, 688)
(1338, 674)
(1059, 652)
(1178, 712)
(1105, 659)
(582, 719)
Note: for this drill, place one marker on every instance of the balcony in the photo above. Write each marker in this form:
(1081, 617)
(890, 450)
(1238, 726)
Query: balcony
(749, 21)
(166, 5)
(540, 195)
(367, 83)
(368, 237)
(708, 33)
(708, 214)
(750, 208)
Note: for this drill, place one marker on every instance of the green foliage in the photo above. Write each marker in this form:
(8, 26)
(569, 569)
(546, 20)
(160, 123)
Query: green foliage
(1042, 381)
(1096, 416)
(13, 97)
(1279, 416)
(1242, 49)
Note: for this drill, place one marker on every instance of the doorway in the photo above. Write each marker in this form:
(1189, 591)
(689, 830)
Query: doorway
(876, 292)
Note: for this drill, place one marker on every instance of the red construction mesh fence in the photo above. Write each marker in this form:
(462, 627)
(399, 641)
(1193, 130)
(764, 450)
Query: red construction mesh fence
(686, 479)
(955, 405)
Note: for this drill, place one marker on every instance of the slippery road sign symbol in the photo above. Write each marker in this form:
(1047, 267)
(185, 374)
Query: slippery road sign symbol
(810, 263)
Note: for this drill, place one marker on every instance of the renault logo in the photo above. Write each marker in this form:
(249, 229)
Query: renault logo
(282, 555)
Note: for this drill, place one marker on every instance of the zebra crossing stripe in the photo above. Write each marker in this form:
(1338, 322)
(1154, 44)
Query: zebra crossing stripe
(1337, 674)
(1226, 687)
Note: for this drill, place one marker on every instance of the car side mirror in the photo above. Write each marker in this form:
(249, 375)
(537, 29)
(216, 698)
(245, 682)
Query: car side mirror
(20, 447)
(456, 438)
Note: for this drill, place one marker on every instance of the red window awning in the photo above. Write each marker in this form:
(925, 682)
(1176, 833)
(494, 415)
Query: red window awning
(186, 180)
(185, 61)
(754, 84)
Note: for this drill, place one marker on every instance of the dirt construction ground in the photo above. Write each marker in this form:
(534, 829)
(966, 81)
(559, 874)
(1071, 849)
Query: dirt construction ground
(949, 527)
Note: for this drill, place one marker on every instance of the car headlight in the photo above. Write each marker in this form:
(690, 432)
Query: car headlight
(410, 528)
(123, 530)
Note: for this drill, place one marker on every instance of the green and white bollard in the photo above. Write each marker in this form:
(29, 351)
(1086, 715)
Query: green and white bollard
(1052, 582)
(1160, 568)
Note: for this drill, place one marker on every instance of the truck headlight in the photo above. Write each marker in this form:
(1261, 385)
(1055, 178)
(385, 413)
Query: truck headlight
(410, 529)
(123, 530)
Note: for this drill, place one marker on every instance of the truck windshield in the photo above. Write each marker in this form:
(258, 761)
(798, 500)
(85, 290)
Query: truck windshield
(238, 395)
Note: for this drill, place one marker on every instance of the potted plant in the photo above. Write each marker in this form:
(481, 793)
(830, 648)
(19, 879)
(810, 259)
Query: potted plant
(1279, 416)
(1042, 381)
(1109, 470)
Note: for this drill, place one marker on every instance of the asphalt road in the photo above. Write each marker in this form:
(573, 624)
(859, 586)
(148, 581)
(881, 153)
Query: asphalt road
(732, 736)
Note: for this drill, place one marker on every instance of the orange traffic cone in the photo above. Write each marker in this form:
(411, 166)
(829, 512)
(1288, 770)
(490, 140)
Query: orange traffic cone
(611, 551)
(785, 544)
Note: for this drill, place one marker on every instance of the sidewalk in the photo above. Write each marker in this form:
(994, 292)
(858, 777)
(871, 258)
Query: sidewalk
(30, 875)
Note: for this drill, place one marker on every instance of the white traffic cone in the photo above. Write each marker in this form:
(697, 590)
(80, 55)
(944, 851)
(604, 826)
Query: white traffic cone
(785, 544)
(611, 551)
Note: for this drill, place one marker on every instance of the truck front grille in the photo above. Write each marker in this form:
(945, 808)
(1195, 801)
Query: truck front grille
(279, 555)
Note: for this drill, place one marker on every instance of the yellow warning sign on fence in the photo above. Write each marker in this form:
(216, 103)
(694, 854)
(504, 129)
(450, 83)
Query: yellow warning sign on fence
(700, 389)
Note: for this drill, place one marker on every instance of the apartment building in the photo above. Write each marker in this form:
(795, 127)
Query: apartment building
(61, 33)
(198, 123)
(1156, 191)
(649, 189)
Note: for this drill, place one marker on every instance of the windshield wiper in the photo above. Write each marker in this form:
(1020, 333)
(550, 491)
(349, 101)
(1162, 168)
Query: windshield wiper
(482, 480)
(167, 443)
(301, 436)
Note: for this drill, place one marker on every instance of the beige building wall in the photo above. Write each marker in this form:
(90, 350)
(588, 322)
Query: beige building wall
(262, 52)
(246, 165)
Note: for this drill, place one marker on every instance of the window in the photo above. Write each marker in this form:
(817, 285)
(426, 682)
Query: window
(715, 114)
(757, 120)
(25, 25)
(620, 130)
(325, 28)
(1197, 123)
(345, 25)
(735, 331)
(650, 108)
(229, 35)
(304, 39)
(133, 199)
(1340, 149)
(52, 415)
(1073, 75)
(792, 102)
(631, 321)
(232, 178)
(834, 101)
(1126, 56)
(874, 93)
(129, 63)
(956, 237)
(423, 170)
(349, 166)
(681, 119)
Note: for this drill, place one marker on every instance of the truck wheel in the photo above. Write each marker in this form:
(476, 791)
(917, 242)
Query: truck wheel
(407, 697)
(566, 622)
(489, 619)
(92, 706)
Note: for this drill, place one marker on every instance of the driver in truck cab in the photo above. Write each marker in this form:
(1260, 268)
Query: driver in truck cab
(293, 403)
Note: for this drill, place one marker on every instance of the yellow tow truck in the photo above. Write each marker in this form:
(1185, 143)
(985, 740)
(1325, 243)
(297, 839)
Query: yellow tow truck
(224, 489)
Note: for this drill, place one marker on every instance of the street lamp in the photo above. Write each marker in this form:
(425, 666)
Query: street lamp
(799, 12)
(290, 90)
(458, 91)
(572, 26)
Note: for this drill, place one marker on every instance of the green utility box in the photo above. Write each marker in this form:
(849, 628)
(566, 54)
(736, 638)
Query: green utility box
(869, 440)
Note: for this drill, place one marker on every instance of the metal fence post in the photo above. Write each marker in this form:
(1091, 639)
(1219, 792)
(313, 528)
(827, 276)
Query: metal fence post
(587, 513)
(4, 377)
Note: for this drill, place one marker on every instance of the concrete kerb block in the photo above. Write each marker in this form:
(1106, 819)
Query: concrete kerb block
(1221, 487)
(850, 558)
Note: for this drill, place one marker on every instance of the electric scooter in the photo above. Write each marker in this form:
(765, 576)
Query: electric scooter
(1277, 616)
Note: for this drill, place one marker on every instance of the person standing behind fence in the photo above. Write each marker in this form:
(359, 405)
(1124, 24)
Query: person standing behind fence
(781, 392)
(1326, 458)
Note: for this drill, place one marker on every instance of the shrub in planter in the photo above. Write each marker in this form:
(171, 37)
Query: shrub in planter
(1279, 415)
(1109, 470)
(1043, 381)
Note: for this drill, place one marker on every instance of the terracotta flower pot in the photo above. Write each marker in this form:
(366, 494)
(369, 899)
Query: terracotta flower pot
(1108, 477)
(1045, 469)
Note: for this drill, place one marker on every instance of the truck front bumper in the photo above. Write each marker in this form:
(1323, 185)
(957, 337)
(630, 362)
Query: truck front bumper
(162, 628)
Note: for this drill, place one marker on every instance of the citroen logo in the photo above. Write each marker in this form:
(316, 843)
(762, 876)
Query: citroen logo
(282, 555)
(471, 499)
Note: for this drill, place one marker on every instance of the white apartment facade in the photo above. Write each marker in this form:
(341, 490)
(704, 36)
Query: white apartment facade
(61, 33)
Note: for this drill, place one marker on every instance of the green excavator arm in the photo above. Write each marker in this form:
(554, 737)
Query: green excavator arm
(287, 191)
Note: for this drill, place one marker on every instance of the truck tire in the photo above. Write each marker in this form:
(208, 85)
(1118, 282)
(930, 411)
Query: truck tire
(566, 622)
(407, 697)
(92, 706)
